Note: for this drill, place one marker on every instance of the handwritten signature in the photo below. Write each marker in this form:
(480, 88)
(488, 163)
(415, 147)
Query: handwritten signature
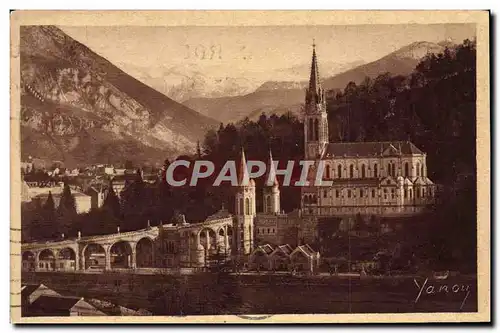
(434, 289)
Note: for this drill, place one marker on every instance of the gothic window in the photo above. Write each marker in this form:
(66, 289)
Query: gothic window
(385, 193)
(407, 173)
(375, 170)
(241, 209)
(373, 193)
(327, 173)
(339, 170)
(418, 169)
(422, 170)
(310, 130)
(247, 206)
(392, 193)
(361, 193)
(316, 130)
(351, 171)
(363, 171)
(348, 193)
(268, 230)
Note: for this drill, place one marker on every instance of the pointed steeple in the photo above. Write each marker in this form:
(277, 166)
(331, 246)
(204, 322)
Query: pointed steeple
(243, 179)
(314, 84)
(271, 172)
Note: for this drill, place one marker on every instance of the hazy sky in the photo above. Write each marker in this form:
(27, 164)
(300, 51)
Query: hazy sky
(236, 50)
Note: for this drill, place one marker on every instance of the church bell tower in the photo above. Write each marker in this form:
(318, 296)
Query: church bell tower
(315, 115)
(245, 209)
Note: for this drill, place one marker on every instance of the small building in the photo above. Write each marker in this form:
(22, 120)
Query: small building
(305, 259)
(259, 258)
(280, 258)
(62, 306)
(31, 292)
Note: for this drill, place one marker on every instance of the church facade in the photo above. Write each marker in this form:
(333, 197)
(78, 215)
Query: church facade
(373, 178)
(383, 179)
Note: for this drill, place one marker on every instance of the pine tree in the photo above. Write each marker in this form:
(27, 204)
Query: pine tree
(46, 221)
(67, 205)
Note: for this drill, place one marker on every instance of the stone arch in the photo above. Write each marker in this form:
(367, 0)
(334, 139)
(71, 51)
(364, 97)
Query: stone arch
(363, 171)
(339, 170)
(46, 254)
(66, 259)
(94, 256)
(208, 238)
(351, 171)
(66, 253)
(28, 260)
(144, 251)
(28, 255)
(121, 254)
(46, 260)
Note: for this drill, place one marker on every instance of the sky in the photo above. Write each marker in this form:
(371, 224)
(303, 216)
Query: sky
(240, 50)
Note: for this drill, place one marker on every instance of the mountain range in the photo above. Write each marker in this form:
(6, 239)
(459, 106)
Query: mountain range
(287, 96)
(79, 108)
(188, 80)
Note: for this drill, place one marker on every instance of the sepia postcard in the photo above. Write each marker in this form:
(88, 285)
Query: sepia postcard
(250, 167)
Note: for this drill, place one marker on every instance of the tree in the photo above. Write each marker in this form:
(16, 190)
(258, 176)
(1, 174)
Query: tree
(67, 204)
(111, 204)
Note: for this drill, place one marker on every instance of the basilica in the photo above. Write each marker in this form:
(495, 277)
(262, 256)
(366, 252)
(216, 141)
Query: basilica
(384, 179)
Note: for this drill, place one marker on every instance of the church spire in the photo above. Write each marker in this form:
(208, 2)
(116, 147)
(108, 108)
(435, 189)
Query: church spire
(243, 177)
(314, 84)
(271, 179)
